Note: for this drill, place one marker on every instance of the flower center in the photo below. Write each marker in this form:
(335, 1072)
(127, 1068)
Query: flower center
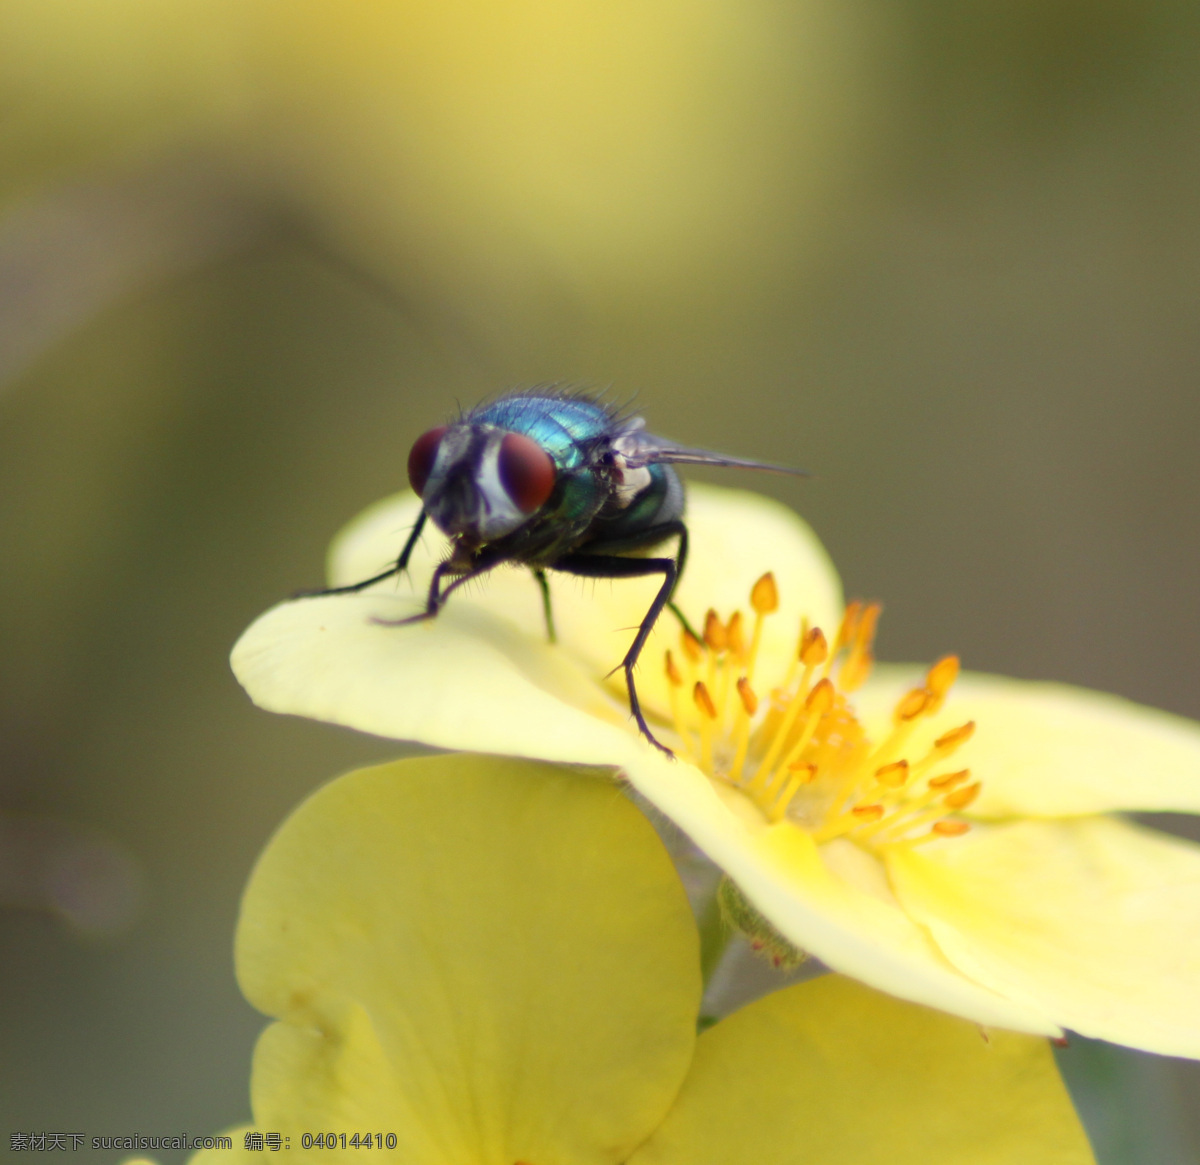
(802, 754)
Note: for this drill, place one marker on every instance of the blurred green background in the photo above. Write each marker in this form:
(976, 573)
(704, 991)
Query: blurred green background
(945, 256)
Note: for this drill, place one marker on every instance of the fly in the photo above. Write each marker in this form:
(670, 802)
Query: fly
(553, 480)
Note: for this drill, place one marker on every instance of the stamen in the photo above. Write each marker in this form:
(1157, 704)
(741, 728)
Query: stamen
(714, 632)
(894, 775)
(961, 798)
(674, 686)
(816, 704)
(708, 713)
(691, 646)
(749, 705)
(764, 595)
(941, 679)
(867, 812)
(948, 780)
(860, 660)
(735, 633)
(950, 828)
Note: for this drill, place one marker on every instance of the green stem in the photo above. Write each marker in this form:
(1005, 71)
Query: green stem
(715, 934)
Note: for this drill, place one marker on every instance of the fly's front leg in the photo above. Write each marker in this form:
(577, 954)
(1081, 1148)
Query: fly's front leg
(614, 566)
(400, 567)
(437, 597)
(540, 575)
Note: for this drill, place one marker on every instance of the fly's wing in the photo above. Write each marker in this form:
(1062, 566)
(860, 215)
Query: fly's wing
(640, 448)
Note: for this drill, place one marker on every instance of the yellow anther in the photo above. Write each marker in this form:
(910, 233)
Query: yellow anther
(673, 673)
(867, 812)
(704, 700)
(858, 663)
(893, 776)
(949, 828)
(849, 625)
(714, 631)
(749, 699)
(764, 595)
(820, 699)
(912, 705)
(961, 798)
(813, 648)
(949, 780)
(735, 634)
(942, 675)
(949, 741)
(691, 646)
(805, 770)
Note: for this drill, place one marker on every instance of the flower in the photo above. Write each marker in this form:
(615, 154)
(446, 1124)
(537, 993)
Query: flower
(492, 961)
(949, 839)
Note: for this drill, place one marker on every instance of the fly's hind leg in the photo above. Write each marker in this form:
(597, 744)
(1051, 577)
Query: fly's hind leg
(614, 566)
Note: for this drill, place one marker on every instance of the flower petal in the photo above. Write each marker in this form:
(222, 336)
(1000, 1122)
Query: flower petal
(844, 921)
(831, 1072)
(734, 538)
(1094, 920)
(493, 960)
(1050, 750)
(468, 679)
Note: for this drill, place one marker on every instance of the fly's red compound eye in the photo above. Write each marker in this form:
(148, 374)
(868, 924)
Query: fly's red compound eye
(526, 472)
(421, 458)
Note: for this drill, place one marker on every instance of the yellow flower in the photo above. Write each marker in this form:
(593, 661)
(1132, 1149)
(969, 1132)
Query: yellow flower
(493, 962)
(945, 838)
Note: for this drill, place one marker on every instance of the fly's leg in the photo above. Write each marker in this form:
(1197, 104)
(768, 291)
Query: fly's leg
(436, 599)
(400, 567)
(540, 575)
(614, 566)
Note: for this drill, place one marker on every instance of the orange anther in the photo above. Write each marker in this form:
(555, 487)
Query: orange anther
(714, 631)
(735, 634)
(865, 631)
(949, 780)
(961, 798)
(704, 701)
(949, 828)
(749, 699)
(867, 812)
(951, 740)
(893, 776)
(912, 705)
(942, 675)
(814, 649)
(691, 646)
(764, 595)
(673, 671)
(799, 766)
(820, 699)
(850, 620)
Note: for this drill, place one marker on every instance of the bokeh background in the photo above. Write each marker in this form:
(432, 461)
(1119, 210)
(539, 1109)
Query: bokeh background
(945, 256)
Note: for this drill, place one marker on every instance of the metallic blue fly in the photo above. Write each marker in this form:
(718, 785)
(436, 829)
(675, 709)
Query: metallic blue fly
(556, 481)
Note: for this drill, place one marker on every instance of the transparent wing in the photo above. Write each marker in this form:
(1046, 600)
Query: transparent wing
(640, 448)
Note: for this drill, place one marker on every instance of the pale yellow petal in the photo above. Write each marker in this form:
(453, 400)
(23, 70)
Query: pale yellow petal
(842, 917)
(1095, 920)
(832, 1073)
(492, 959)
(466, 680)
(734, 537)
(1050, 750)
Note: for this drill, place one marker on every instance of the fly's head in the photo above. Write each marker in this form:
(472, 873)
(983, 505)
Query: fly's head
(479, 482)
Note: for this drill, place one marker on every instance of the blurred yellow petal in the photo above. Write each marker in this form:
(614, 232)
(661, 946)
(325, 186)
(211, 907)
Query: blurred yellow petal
(831, 907)
(831, 1072)
(490, 958)
(1048, 750)
(1096, 920)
